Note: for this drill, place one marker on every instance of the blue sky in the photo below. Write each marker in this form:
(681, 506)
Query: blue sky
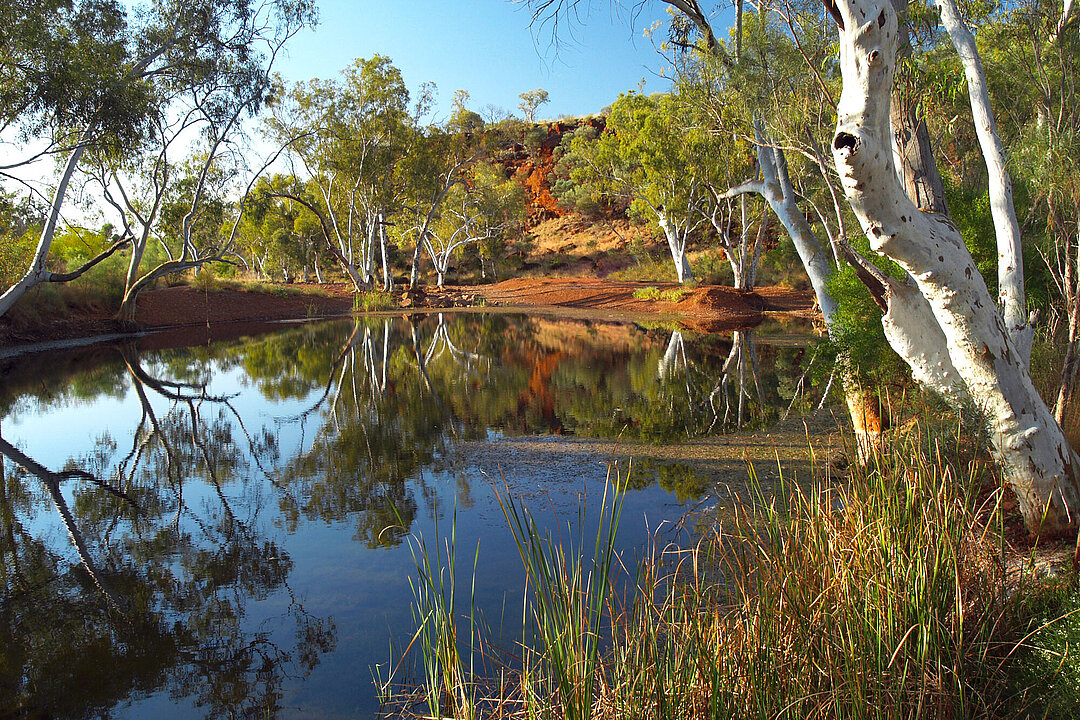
(487, 48)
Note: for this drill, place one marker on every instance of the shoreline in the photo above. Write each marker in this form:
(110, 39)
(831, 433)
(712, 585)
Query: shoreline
(226, 313)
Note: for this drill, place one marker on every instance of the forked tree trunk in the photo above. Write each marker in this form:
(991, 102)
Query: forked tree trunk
(1029, 445)
(775, 187)
(677, 245)
(37, 273)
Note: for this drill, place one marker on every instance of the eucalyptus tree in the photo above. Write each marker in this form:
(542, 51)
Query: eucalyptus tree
(939, 315)
(280, 238)
(649, 157)
(440, 161)
(346, 139)
(1035, 76)
(972, 339)
(483, 210)
(122, 84)
(89, 92)
(531, 101)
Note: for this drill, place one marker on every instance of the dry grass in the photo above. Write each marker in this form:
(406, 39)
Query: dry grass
(883, 596)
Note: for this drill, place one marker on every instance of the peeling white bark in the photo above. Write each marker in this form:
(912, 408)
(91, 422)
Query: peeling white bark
(676, 240)
(1029, 444)
(1002, 210)
(914, 333)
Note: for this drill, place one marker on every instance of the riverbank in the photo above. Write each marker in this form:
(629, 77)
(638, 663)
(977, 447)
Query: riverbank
(218, 310)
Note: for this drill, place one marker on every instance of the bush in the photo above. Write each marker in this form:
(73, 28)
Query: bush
(372, 301)
(671, 295)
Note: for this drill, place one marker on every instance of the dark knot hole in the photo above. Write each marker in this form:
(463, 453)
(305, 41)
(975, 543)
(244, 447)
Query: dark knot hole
(845, 141)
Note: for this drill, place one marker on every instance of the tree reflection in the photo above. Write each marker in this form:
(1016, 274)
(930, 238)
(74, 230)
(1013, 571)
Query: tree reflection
(157, 598)
(523, 376)
(739, 394)
(131, 570)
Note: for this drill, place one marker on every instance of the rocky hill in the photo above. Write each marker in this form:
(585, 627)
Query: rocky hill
(560, 241)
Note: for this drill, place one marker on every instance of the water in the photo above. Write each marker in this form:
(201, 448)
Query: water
(225, 530)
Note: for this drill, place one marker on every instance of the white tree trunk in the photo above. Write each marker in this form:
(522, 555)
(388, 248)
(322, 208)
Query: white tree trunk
(777, 190)
(1006, 228)
(37, 273)
(668, 365)
(387, 275)
(1030, 446)
(677, 245)
(914, 333)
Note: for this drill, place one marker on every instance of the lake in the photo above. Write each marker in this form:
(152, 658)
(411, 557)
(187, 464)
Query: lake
(228, 530)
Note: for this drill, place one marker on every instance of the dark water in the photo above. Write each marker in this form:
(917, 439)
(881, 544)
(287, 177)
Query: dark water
(224, 531)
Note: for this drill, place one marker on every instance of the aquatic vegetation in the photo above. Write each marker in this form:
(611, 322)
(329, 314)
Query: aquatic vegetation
(885, 595)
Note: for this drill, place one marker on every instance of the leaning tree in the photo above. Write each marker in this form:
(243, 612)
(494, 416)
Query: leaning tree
(121, 84)
(969, 344)
(939, 316)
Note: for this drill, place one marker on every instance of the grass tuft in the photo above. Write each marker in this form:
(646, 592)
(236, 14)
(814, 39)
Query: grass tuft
(372, 301)
(672, 295)
(568, 601)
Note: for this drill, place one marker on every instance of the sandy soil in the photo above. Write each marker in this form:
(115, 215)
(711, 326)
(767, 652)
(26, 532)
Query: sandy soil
(215, 313)
(705, 308)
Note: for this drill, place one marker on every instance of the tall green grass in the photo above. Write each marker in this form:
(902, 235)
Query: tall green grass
(372, 301)
(447, 674)
(879, 598)
(881, 595)
(568, 597)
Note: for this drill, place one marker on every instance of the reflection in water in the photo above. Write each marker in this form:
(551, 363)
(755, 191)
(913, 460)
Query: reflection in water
(148, 503)
(158, 595)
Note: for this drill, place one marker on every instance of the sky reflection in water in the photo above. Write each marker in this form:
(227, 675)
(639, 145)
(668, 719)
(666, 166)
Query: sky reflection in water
(240, 511)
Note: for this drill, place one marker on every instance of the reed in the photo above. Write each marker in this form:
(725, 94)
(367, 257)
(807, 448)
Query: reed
(568, 600)
(885, 595)
(879, 598)
(447, 674)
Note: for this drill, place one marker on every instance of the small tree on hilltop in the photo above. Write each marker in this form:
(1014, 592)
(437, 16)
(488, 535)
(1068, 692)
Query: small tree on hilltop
(531, 102)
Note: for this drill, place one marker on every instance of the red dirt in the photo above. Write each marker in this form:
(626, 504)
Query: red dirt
(705, 307)
(222, 313)
(182, 305)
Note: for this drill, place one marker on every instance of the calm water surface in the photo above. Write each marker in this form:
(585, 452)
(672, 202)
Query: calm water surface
(224, 530)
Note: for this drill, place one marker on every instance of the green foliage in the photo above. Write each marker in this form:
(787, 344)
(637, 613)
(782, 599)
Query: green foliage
(1046, 671)
(531, 102)
(372, 301)
(672, 295)
(205, 279)
(857, 333)
(711, 267)
(463, 120)
(20, 226)
(646, 269)
(969, 207)
(534, 139)
(281, 236)
(89, 47)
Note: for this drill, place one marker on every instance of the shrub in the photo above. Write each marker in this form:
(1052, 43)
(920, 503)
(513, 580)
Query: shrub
(372, 301)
